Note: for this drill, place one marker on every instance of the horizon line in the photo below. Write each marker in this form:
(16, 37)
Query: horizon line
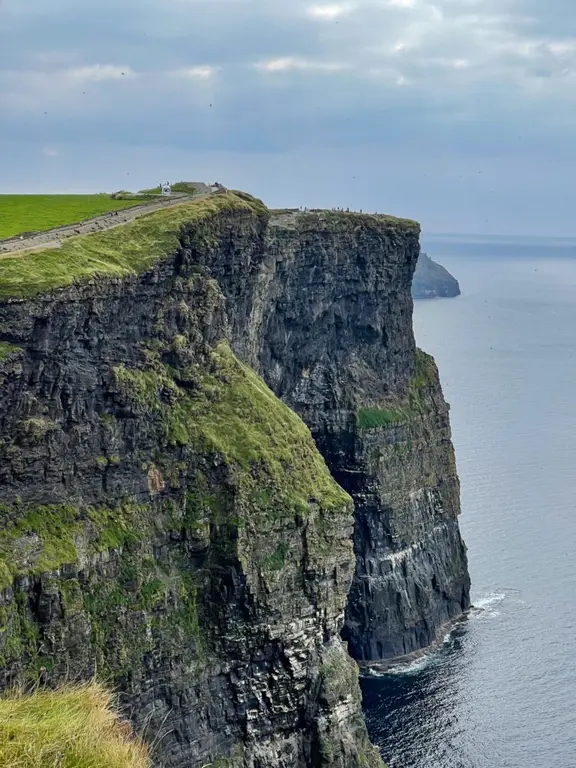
(493, 236)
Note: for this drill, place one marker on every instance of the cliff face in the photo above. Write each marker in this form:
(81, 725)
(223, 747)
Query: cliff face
(432, 280)
(168, 523)
(326, 317)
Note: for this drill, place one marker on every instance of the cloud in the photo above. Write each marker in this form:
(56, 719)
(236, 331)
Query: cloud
(99, 73)
(200, 72)
(330, 11)
(290, 63)
(50, 152)
(466, 79)
(403, 3)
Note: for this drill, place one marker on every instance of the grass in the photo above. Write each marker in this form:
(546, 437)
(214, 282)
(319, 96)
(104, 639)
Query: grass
(423, 381)
(37, 213)
(7, 349)
(233, 414)
(74, 727)
(179, 186)
(373, 418)
(118, 252)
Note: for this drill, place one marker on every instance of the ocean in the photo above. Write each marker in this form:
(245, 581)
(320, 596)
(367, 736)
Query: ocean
(501, 692)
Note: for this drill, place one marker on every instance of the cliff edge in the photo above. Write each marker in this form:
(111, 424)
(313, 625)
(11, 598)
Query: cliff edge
(168, 522)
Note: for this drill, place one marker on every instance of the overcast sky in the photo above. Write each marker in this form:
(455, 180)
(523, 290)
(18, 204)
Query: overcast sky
(460, 113)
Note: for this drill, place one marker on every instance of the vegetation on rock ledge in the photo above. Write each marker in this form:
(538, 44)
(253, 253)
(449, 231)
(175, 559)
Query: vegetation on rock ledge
(44, 538)
(7, 349)
(231, 412)
(376, 417)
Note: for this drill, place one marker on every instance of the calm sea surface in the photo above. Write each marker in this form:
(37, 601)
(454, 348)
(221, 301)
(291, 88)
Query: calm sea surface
(502, 691)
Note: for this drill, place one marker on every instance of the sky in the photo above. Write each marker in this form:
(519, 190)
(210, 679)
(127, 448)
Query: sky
(459, 113)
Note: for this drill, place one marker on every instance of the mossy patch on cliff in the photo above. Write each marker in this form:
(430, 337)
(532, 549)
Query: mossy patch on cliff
(373, 418)
(231, 412)
(42, 539)
(74, 727)
(39, 541)
(7, 349)
(117, 252)
(403, 409)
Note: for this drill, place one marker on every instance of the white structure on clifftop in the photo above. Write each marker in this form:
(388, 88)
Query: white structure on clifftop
(166, 189)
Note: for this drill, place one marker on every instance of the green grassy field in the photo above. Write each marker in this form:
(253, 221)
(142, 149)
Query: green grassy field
(120, 251)
(37, 213)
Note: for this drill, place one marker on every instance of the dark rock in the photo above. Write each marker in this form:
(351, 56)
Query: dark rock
(432, 280)
(168, 524)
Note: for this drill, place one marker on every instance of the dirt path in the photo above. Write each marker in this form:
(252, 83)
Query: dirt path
(53, 238)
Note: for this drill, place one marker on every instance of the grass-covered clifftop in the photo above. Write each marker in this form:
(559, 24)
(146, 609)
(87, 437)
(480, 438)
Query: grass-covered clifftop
(38, 213)
(318, 220)
(124, 250)
(75, 727)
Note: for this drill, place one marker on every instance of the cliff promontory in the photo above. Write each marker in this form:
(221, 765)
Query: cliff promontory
(169, 524)
(432, 280)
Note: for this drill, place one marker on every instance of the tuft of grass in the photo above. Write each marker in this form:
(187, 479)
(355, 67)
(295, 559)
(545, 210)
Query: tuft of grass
(37, 213)
(125, 250)
(7, 349)
(423, 381)
(373, 418)
(73, 727)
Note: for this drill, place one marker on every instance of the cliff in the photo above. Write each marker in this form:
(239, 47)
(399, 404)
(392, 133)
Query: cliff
(432, 280)
(169, 524)
(331, 307)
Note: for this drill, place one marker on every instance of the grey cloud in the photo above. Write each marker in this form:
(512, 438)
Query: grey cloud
(461, 82)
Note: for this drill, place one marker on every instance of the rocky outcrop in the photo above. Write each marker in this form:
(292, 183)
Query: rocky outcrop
(168, 523)
(432, 280)
(325, 315)
(411, 573)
